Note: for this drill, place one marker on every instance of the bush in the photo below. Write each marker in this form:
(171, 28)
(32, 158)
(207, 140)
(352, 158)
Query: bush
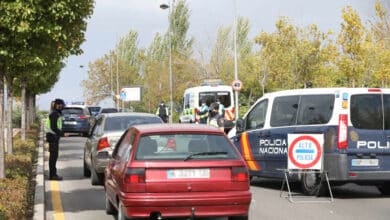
(18, 166)
(13, 198)
(17, 189)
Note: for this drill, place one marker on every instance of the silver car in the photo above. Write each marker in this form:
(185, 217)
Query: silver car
(105, 133)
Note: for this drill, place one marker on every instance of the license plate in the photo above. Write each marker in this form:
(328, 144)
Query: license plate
(365, 162)
(188, 173)
(70, 122)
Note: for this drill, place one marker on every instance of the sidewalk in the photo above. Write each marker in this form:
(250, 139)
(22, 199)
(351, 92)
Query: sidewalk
(39, 198)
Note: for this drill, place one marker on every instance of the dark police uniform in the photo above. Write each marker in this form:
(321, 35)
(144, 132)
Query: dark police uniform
(53, 134)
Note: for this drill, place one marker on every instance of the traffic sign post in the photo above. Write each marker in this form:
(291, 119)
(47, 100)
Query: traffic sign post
(237, 85)
(305, 156)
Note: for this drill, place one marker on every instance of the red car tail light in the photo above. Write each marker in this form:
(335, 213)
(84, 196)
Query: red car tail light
(134, 175)
(82, 117)
(103, 143)
(239, 174)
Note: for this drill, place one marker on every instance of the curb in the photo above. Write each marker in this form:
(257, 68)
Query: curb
(39, 198)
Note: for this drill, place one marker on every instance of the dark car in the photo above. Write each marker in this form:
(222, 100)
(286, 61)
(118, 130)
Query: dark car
(94, 110)
(106, 131)
(176, 170)
(76, 119)
(108, 110)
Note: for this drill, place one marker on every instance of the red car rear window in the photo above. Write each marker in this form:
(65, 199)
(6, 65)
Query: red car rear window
(185, 147)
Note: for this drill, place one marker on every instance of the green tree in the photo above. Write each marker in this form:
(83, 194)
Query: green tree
(352, 39)
(379, 50)
(24, 26)
(277, 50)
(118, 69)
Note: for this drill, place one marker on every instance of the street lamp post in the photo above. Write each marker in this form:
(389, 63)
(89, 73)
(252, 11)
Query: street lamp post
(235, 59)
(165, 6)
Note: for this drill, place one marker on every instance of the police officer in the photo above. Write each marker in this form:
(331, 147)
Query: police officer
(215, 119)
(162, 112)
(53, 134)
(203, 113)
(221, 109)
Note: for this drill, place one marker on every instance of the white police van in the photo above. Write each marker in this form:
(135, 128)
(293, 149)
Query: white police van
(209, 92)
(354, 122)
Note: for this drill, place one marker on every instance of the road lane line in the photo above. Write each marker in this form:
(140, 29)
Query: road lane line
(56, 201)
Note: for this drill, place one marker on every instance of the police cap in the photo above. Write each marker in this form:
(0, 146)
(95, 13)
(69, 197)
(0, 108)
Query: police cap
(59, 102)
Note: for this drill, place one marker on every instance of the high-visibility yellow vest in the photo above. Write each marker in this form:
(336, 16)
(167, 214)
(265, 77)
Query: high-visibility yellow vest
(47, 125)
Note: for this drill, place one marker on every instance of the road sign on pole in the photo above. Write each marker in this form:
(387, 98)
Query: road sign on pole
(237, 85)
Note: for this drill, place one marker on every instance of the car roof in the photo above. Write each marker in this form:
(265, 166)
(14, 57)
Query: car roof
(122, 114)
(176, 127)
(75, 106)
(335, 90)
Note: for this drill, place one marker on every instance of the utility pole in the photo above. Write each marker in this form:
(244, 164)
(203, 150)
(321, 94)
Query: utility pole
(235, 59)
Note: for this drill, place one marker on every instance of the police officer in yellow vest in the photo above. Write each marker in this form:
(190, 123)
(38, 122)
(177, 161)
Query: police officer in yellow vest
(203, 113)
(53, 133)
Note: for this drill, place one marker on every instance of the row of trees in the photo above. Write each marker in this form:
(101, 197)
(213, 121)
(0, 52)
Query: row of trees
(35, 37)
(290, 57)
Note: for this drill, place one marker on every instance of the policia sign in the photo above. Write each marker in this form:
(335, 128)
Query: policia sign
(305, 151)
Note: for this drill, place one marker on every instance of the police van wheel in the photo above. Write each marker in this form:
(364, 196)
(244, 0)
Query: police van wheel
(312, 184)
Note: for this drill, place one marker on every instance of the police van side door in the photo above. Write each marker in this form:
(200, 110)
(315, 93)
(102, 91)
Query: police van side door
(248, 136)
(273, 147)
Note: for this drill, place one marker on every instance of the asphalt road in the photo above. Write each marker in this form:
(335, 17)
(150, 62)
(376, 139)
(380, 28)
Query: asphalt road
(76, 198)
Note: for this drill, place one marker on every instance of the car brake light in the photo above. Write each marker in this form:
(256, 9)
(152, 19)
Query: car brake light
(134, 175)
(82, 117)
(343, 132)
(239, 174)
(103, 143)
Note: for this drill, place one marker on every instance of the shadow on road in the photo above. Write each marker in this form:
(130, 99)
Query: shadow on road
(346, 191)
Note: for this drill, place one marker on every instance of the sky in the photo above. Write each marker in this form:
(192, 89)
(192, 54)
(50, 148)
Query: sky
(112, 19)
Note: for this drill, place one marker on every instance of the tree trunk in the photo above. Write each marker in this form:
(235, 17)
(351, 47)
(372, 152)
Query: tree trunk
(9, 115)
(23, 111)
(33, 110)
(2, 153)
(30, 110)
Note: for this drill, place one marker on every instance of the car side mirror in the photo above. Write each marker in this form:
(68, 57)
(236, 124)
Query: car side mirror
(240, 125)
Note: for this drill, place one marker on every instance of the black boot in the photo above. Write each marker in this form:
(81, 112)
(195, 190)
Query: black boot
(56, 177)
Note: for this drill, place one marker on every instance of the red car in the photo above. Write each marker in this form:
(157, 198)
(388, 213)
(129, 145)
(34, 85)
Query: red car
(176, 170)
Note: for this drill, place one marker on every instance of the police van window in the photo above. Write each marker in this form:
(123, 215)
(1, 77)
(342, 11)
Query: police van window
(210, 97)
(187, 100)
(315, 109)
(284, 111)
(224, 98)
(206, 96)
(256, 117)
(366, 111)
(386, 108)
